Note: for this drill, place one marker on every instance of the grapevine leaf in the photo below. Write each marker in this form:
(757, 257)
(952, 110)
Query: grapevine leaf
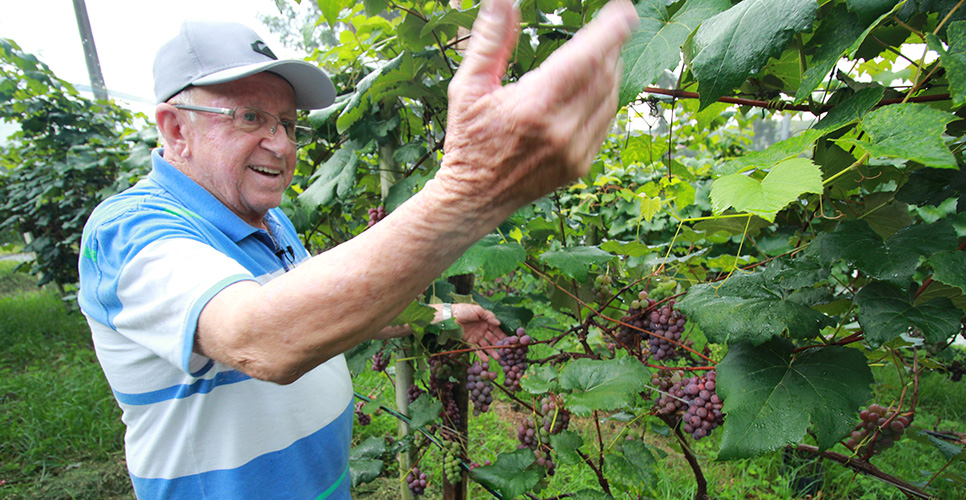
(950, 451)
(833, 37)
(565, 446)
(782, 185)
(602, 385)
(733, 312)
(893, 260)
(490, 257)
(954, 60)
(907, 131)
(771, 398)
(333, 180)
(575, 262)
(795, 274)
(728, 47)
(789, 148)
(330, 9)
(655, 46)
(364, 470)
(933, 186)
(630, 248)
(513, 474)
(950, 268)
(644, 149)
(374, 7)
(640, 458)
(358, 103)
(870, 9)
(373, 447)
(886, 312)
(415, 314)
(539, 379)
(357, 356)
(424, 410)
(853, 108)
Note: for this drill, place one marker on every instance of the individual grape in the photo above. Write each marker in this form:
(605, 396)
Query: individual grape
(513, 358)
(362, 417)
(878, 429)
(416, 481)
(380, 361)
(375, 215)
(479, 386)
(556, 418)
(451, 461)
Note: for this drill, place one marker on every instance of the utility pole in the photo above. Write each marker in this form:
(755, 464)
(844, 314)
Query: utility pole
(90, 51)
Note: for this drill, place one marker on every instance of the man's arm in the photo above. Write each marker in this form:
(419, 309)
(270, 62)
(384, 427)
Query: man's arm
(505, 146)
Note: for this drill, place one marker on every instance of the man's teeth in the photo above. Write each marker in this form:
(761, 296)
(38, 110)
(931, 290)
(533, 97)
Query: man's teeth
(265, 170)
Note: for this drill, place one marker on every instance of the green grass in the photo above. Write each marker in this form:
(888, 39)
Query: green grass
(61, 436)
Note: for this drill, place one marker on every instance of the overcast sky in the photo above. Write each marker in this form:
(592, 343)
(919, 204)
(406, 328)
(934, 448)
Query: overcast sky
(127, 34)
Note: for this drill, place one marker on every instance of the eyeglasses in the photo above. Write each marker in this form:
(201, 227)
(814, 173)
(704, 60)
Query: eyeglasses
(251, 120)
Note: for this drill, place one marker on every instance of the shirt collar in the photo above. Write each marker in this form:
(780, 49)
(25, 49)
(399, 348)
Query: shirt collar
(198, 200)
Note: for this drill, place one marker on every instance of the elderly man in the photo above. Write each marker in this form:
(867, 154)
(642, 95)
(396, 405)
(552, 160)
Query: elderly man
(221, 338)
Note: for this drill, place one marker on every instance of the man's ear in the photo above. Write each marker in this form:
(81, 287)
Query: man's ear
(171, 125)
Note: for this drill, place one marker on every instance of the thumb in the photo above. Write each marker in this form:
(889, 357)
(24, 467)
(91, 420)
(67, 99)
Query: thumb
(495, 33)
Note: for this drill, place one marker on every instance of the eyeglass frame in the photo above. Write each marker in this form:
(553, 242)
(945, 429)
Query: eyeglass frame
(278, 121)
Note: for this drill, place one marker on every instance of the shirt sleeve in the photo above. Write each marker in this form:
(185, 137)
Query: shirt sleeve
(150, 282)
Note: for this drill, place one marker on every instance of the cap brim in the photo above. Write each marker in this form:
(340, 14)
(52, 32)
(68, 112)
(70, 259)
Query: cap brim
(313, 89)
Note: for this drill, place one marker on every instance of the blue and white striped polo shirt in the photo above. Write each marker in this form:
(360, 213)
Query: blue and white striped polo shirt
(151, 258)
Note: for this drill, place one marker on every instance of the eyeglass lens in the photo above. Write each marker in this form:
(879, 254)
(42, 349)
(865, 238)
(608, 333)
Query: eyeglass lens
(252, 119)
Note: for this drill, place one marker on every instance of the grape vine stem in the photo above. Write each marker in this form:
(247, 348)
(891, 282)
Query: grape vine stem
(601, 315)
(864, 467)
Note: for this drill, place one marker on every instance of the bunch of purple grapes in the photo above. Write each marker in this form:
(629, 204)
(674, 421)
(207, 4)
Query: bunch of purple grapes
(416, 481)
(363, 418)
(375, 215)
(693, 399)
(629, 337)
(556, 418)
(544, 460)
(380, 361)
(668, 323)
(885, 427)
(441, 368)
(527, 434)
(479, 384)
(513, 358)
(414, 392)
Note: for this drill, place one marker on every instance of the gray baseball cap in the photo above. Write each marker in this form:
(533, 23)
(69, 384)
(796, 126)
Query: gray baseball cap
(206, 53)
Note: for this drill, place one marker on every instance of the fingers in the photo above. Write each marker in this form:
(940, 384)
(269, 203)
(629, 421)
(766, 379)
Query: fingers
(495, 33)
(591, 55)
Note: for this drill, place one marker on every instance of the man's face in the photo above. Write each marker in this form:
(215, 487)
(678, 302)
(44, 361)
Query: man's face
(248, 172)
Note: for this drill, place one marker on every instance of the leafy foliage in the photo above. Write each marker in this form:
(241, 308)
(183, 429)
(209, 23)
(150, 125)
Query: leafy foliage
(69, 154)
(796, 261)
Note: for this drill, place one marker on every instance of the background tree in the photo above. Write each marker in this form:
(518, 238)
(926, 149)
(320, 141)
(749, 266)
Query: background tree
(69, 154)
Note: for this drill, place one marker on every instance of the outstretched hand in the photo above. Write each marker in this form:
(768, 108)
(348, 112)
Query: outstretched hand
(481, 328)
(520, 141)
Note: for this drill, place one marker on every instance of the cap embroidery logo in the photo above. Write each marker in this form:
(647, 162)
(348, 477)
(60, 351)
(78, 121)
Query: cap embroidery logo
(260, 47)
